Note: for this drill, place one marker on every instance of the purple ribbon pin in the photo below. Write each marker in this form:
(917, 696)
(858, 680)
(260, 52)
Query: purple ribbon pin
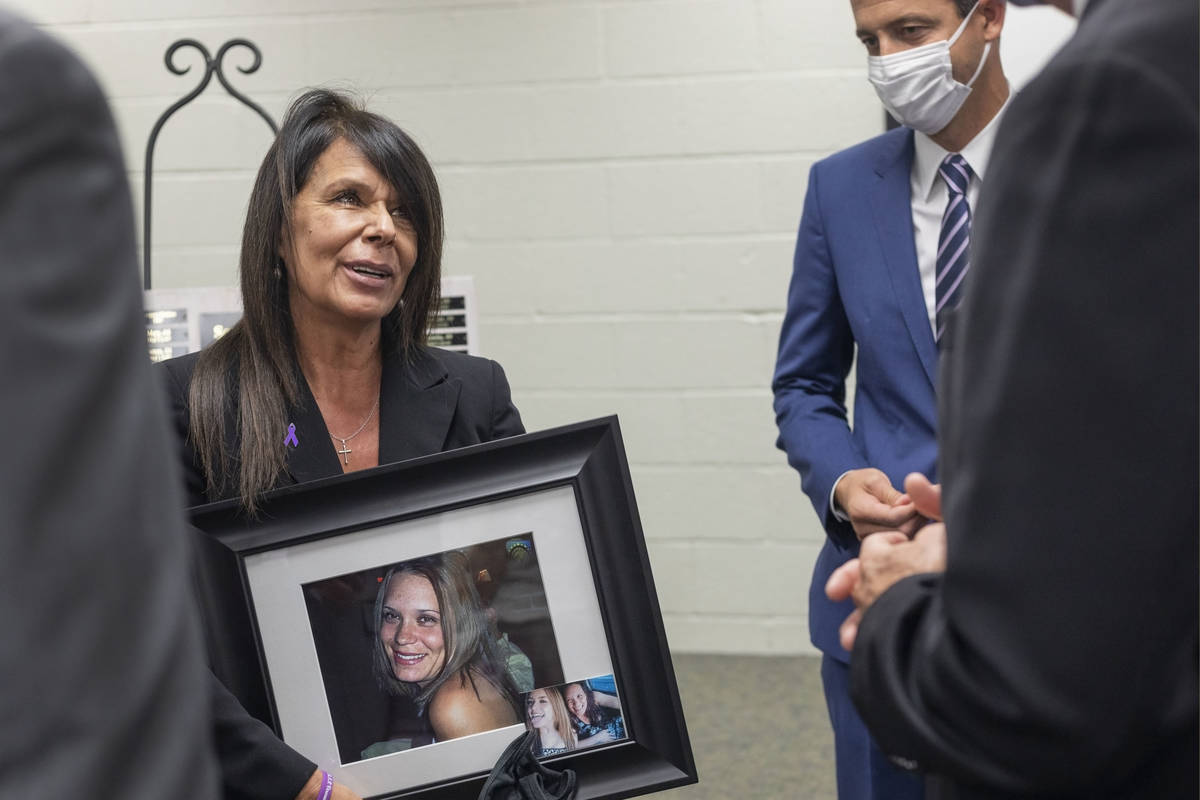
(291, 435)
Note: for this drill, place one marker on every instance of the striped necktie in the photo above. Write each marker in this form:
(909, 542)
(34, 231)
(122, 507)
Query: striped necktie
(954, 239)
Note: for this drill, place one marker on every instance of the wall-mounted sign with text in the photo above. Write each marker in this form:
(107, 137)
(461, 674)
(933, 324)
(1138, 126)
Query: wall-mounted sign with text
(181, 321)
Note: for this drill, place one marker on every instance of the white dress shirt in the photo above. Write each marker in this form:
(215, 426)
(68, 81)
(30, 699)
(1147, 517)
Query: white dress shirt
(929, 196)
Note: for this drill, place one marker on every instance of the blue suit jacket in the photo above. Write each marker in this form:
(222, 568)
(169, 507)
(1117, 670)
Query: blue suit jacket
(855, 282)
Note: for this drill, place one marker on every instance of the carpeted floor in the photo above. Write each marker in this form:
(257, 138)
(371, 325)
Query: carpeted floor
(758, 727)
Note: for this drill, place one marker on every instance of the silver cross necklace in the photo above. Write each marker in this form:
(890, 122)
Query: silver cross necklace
(346, 451)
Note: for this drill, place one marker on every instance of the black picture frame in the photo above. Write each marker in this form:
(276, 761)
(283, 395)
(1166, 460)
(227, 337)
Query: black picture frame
(585, 461)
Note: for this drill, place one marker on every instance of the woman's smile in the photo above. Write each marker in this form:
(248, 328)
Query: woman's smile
(538, 709)
(407, 660)
(411, 629)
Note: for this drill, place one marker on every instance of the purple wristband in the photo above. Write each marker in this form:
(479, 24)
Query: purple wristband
(326, 786)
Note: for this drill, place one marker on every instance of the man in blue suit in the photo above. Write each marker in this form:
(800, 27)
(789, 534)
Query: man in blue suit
(1051, 652)
(879, 262)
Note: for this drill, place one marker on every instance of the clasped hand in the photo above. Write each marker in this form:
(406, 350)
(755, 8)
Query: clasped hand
(872, 504)
(887, 556)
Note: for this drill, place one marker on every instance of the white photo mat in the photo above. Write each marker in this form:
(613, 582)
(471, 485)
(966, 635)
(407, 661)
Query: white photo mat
(275, 578)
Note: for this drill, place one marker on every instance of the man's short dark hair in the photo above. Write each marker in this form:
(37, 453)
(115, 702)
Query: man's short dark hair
(964, 7)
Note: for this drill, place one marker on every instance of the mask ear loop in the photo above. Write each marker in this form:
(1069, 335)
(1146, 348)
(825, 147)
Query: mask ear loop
(962, 26)
(987, 47)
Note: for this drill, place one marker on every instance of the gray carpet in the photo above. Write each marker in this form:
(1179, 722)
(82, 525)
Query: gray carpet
(758, 726)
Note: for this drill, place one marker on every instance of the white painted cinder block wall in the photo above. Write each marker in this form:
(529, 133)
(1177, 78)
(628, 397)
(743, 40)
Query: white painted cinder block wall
(623, 178)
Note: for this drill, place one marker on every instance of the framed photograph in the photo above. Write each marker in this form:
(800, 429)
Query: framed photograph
(400, 626)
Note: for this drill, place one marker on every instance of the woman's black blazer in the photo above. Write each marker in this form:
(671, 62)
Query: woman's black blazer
(441, 401)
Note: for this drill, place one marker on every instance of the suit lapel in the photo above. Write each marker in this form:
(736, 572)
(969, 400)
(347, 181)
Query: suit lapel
(314, 457)
(891, 205)
(416, 408)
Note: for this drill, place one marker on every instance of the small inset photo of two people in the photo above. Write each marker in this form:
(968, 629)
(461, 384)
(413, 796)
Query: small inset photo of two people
(574, 715)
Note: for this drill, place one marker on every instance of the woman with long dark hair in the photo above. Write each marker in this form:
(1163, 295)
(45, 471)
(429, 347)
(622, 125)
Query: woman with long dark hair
(328, 370)
(340, 276)
(596, 716)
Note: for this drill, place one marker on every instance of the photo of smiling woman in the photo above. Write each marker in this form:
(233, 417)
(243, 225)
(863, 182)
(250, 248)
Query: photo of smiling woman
(546, 715)
(435, 646)
(432, 648)
(595, 715)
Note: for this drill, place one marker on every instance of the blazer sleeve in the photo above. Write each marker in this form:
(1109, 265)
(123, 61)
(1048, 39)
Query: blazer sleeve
(1058, 650)
(816, 350)
(506, 420)
(255, 763)
(101, 654)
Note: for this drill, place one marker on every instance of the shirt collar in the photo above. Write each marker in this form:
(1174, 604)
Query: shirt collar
(929, 155)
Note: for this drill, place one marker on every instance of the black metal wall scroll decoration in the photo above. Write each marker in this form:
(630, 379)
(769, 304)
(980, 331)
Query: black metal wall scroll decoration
(211, 66)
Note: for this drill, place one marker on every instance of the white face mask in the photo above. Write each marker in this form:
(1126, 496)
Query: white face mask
(917, 86)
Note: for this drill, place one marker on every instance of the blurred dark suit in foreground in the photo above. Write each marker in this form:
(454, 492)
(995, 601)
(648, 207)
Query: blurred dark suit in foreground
(1057, 654)
(103, 691)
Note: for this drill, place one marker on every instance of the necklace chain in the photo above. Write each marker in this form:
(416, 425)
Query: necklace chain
(346, 451)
